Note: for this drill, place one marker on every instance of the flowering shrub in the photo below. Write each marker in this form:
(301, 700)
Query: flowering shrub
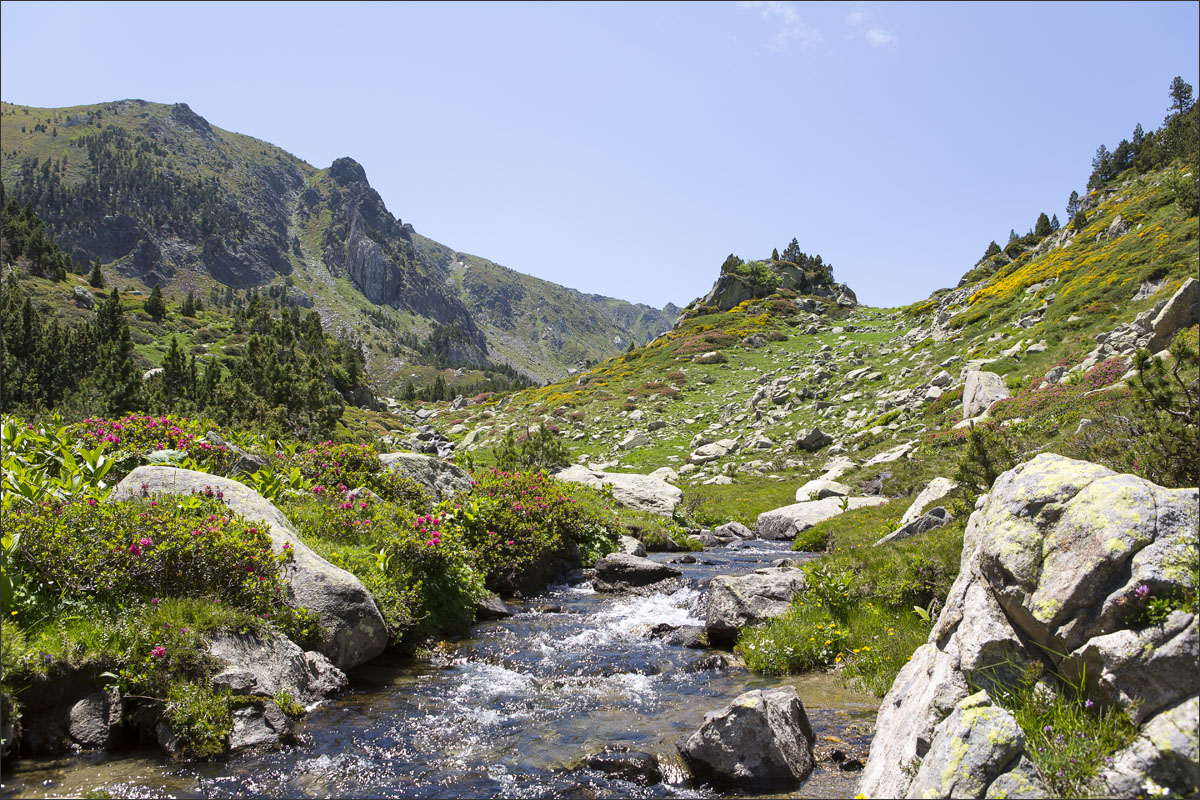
(512, 521)
(168, 547)
(338, 467)
(140, 434)
(417, 568)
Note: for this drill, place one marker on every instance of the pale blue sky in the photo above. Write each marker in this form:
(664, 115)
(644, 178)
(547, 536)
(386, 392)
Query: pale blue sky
(626, 149)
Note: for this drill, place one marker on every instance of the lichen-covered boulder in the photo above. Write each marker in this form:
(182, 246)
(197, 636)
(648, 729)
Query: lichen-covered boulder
(354, 629)
(976, 744)
(1166, 754)
(440, 477)
(737, 601)
(760, 741)
(1059, 563)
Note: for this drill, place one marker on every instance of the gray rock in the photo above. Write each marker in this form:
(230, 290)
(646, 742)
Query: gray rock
(891, 454)
(935, 490)
(760, 741)
(786, 522)
(640, 492)
(631, 546)
(440, 477)
(354, 628)
(1181, 311)
(492, 607)
(243, 463)
(621, 572)
(738, 601)
(981, 390)
(257, 665)
(1165, 754)
(712, 452)
(628, 765)
(261, 725)
(813, 439)
(934, 518)
(83, 298)
(634, 439)
(733, 530)
(971, 748)
(819, 489)
(94, 722)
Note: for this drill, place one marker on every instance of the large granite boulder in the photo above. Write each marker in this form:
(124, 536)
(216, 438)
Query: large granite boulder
(786, 522)
(981, 390)
(761, 741)
(1181, 311)
(738, 601)
(819, 489)
(1165, 753)
(354, 629)
(1058, 564)
(622, 572)
(441, 478)
(640, 492)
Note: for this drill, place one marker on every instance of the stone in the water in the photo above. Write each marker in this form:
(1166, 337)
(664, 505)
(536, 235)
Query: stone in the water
(761, 741)
(618, 572)
(629, 765)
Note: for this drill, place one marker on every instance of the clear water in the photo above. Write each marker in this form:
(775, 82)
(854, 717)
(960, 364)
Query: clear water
(512, 711)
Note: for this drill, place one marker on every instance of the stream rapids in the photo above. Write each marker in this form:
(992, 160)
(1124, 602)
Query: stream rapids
(514, 709)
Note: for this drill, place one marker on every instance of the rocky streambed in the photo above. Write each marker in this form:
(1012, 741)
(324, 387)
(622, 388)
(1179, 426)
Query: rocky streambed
(580, 694)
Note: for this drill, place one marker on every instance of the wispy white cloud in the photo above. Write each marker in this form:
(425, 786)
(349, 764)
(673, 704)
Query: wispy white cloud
(860, 23)
(790, 27)
(878, 37)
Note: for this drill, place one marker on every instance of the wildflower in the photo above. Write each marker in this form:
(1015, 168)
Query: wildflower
(1088, 704)
(145, 542)
(133, 548)
(154, 601)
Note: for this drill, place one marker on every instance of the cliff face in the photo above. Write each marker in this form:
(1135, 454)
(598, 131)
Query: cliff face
(159, 195)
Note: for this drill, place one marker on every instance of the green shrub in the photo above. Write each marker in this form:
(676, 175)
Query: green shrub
(512, 520)
(200, 718)
(542, 450)
(338, 467)
(657, 533)
(166, 547)
(419, 571)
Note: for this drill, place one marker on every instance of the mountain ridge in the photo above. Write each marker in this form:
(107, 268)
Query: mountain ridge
(190, 206)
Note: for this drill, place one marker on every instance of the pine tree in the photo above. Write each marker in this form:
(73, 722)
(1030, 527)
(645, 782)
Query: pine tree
(1181, 96)
(188, 307)
(792, 252)
(154, 305)
(1073, 204)
(1043, 225)
(992, 250)
(1054, 223)
(775, 254)
(1012, 235)
(96, 277)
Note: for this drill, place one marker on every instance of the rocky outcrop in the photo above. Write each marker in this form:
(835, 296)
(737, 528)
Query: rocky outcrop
(265, 665)
(931, 519)
(631, 546)
(738, 601)
(786, 522)
(819, 489)
(640, 492)
(761, 741)
(980, 391)
(441, 478)
(1181, 311)
(622, 572)
(354, 629)
(244, 463)
(1058, 564)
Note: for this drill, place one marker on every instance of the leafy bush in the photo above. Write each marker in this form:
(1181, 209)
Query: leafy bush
(337, 467)
(419, 571)
(170, 547)
(542, 450)
(512, 521)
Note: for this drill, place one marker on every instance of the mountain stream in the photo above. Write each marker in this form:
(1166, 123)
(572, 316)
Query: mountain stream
(513, 710)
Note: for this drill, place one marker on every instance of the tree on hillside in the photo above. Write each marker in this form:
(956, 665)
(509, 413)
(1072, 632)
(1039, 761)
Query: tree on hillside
(1012, 235)
(731, 264)
(96, 277)
(775, 254)
(1054, 223)
(155, 306)
(1073, 204)
(1181, 96)
(992, 249)
(792, 252)
(188, 307)
(1043, 225)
